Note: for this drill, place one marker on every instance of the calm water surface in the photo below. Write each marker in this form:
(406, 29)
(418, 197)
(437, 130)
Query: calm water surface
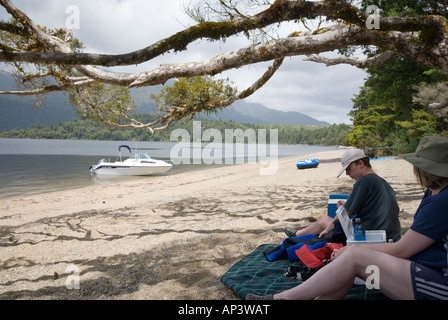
(30, 166)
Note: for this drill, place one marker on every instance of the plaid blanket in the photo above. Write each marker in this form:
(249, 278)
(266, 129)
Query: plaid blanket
(255, 274)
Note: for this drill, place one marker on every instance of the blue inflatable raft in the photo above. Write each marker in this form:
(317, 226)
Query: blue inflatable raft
(307, 163)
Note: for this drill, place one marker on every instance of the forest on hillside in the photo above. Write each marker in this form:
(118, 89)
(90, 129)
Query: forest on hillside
(89, 130)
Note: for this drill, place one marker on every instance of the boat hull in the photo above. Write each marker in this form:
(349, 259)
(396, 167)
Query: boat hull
(129, 171)
(113, 169)
(307, 163)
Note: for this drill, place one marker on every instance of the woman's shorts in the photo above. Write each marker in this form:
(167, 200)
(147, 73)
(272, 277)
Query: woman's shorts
(428, 284)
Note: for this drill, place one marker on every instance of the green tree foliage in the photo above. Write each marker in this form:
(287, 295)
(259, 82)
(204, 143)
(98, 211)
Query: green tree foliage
(199, 94)
(102, 103)
(90, 130)
(409, 8)
(384, 112)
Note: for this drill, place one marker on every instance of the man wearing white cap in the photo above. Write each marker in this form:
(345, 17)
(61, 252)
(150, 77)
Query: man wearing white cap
(372, 199)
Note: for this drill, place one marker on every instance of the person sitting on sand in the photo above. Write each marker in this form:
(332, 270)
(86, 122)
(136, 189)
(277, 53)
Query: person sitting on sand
(372, 199)
(415, 267)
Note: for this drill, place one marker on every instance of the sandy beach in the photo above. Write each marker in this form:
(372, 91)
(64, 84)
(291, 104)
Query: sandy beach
(167, 237)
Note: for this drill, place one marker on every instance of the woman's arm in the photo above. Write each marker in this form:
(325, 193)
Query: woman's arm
(410, 244)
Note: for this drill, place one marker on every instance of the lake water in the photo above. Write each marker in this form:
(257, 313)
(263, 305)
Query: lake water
(30, 166)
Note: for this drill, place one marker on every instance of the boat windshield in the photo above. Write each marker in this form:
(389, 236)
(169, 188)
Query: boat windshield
(101, 161)
(140, 156)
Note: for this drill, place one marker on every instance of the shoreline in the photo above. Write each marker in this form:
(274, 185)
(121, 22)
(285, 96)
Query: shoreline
(49, 165)
(114, 180)
(171, 237)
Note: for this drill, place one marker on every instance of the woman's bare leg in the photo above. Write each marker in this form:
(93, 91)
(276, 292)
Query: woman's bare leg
(335, 280)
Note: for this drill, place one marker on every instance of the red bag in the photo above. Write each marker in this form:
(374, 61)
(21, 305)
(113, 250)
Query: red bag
(315, 258)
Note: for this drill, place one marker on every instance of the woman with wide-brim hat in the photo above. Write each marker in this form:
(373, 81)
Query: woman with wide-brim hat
(415, 267)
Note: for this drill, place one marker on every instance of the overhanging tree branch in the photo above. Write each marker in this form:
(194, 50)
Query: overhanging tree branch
(281, 10)
(360, 63)
(422, 39)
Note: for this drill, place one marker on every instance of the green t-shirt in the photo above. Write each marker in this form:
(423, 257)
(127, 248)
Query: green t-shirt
(374, 201)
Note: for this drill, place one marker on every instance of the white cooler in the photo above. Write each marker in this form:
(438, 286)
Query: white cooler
(372, 236)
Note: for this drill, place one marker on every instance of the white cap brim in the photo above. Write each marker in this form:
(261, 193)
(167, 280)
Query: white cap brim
(342, 170)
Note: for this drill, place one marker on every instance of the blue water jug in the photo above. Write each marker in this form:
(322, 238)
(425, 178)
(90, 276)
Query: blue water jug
(358, 230)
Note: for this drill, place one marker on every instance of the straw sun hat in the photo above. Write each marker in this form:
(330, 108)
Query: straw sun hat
(431, 155)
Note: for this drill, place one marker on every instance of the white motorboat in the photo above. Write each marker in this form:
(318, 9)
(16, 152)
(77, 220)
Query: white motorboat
(139, 164)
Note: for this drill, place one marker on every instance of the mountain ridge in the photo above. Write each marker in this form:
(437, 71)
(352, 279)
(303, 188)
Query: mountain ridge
(18, 111)
(248, 112)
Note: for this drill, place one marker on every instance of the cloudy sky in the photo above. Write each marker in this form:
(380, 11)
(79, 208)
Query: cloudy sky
(120, 26)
